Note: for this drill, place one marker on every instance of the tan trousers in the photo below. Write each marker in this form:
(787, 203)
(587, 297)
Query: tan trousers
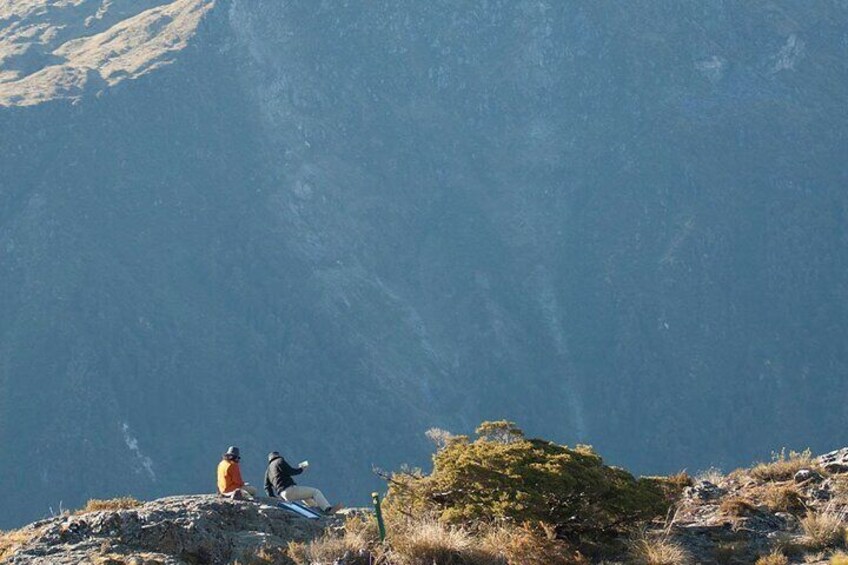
(312, 496)
(246, 491)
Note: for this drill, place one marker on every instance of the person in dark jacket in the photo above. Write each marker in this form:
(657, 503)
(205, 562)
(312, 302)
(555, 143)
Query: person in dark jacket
(279, 483)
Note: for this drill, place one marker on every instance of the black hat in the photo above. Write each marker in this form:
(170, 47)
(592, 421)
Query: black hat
(273, 455)
(233, 452)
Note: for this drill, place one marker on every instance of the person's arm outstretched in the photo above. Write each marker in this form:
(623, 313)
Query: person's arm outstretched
(289, 470)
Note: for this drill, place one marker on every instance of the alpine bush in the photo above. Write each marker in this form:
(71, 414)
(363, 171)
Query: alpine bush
(504, 476)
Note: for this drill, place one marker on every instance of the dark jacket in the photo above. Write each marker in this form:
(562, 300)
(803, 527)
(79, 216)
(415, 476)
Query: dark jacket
(278, 476)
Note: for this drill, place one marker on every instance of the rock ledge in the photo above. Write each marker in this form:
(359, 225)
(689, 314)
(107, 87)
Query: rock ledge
(200, 529)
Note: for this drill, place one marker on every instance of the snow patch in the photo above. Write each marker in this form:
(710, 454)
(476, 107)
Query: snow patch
(132, 444)
(789, 54)
(545, 293)
(713, 68)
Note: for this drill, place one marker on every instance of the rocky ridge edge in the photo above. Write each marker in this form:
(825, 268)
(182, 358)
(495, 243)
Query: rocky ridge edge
(176, 530)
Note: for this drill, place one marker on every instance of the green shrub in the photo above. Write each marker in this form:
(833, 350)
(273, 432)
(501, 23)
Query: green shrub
(504, 476)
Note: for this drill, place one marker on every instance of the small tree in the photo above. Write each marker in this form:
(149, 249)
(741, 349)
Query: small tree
(501, 431)
(502, 475)
(441, 438)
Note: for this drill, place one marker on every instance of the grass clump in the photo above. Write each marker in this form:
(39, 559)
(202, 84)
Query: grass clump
(657, 550)
(526, 545)
(353, 546)
(783, 498)
(11, 541)
(121, 503)
(426, 541)
(671, 486)
(823, 529)
(712, 475)
(423, 539)
(776, 558)
(839, 558)
(137, 559)
(433, 542)
(737, 506)
(783, 466)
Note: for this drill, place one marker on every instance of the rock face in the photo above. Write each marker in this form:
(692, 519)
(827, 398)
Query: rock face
(745, 516)
(176, 530)
(325, 227)
(835, 461)
(59, 50)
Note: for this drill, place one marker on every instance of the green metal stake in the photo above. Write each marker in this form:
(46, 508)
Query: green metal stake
(375, 498)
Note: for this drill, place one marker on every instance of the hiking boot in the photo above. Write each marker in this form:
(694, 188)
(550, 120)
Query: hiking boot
(332, 509)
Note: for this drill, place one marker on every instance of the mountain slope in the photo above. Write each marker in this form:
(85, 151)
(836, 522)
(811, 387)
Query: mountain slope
(325, 228)
(53, 50)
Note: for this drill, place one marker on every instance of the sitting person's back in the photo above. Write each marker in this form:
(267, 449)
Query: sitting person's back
(278, 475)
(230, 483)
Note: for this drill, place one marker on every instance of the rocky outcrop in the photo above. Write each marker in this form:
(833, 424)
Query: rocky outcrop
(51, 50)
(181, 529)
(835, 461)
(740, 517)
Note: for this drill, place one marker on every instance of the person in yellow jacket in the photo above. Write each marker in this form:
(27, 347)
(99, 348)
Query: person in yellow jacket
(230, 483)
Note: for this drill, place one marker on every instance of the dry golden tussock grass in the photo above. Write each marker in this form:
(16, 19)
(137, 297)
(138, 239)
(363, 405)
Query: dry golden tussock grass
(783, 466)
(680, 480)
(135, 559)
(736, 506)
(823, 529)
(121, 503)
(712, 475)
(523, 546)
(429, 542)
(839, 558)
(356, 544)
(11, 541)
(775, 558)
(783, 498)
(425, 541)
(657, 550)
(839, 485)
